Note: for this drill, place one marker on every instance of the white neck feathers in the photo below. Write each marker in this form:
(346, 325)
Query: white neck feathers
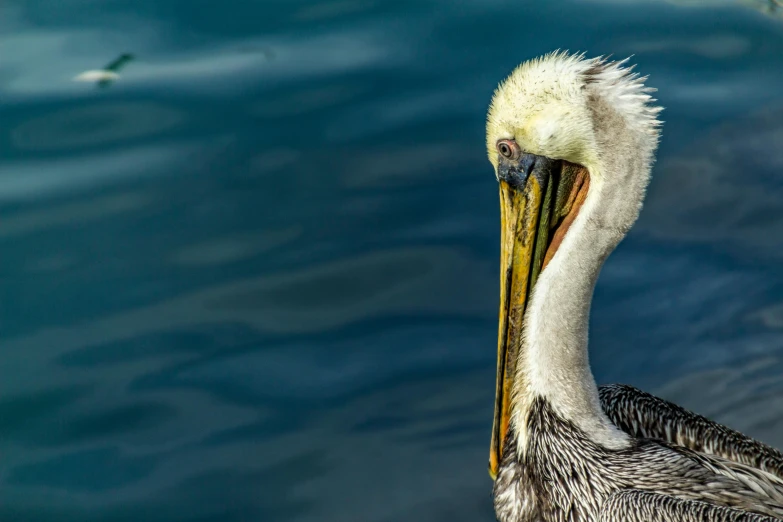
(553, 359)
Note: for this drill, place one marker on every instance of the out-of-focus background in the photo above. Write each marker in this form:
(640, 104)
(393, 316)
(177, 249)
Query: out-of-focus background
(249, 272)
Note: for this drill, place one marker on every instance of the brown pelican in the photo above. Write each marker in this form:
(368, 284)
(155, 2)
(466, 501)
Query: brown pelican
(572, 141)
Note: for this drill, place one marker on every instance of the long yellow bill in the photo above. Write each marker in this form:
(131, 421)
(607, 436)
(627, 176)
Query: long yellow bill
(535, 212)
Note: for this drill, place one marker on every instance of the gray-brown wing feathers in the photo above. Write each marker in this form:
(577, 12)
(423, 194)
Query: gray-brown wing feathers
(764, 484)
(643, 415)
(632, 505)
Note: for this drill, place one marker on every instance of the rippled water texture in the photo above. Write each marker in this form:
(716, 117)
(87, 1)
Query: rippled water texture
(255, 277)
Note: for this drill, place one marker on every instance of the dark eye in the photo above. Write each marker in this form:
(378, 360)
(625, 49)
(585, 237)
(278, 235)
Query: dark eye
(508, 149)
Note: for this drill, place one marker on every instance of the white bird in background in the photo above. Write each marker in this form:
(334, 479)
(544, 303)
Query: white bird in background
(106, 76)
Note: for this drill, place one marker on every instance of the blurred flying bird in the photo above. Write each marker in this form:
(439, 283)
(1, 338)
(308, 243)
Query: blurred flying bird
(106, 76)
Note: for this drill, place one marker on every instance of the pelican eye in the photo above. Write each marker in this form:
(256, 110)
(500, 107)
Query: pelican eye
(508, 149)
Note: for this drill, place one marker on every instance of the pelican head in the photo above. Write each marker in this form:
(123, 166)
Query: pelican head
(572, 142)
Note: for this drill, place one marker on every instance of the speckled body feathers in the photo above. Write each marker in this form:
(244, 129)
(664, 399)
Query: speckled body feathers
(564, 476)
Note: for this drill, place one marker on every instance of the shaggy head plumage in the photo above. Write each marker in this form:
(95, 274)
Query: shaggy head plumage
(550, 106)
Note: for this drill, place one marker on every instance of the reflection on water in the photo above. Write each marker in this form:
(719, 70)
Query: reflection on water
(773, 8)
(725, 187)
(715, 47)
(256, 279)
(101, 124)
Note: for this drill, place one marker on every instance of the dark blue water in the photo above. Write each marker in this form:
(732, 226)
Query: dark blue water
(255, 278)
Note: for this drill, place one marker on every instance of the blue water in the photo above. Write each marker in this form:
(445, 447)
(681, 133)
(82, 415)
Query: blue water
(255, 277)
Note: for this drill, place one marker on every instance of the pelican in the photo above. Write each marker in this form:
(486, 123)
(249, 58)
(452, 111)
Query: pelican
(572, 142)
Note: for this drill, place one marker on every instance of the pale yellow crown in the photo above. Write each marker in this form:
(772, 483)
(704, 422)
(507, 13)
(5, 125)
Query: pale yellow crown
(552, 106)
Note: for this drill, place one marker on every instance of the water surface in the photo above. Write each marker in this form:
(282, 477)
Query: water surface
(255, 278)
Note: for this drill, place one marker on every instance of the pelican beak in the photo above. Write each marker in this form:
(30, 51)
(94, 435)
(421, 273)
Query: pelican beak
(538, 199)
